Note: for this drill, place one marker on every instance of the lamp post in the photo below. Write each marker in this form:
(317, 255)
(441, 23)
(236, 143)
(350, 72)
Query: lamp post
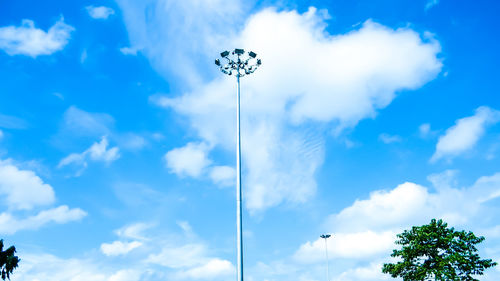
(326, 236)
(239, 63)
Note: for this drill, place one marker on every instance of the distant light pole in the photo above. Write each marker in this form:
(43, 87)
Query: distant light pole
(240, 64)
(326, 236)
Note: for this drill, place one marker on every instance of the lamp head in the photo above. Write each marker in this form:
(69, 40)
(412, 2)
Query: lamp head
(239, 51)
(224, 54)
(217, 62)
(259, 62)
(252, 54)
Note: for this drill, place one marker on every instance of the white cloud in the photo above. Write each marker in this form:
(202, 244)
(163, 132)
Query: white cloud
(342, 80)
(119, 248)
(100, 12)
(98, 151)
(430, 4)
(23, 189)
(466, 132)
(191, 261)
(424, 130)
(223, 175)
(214, 268)
(131, 141)
(31, 41)
(126, 275)
(383, 208)
(189, 255)
(83, 56)
(159, 257)
(62, 214)
(12, 122)
(1, 134)
(81, 123)
(39, 267)
(356, 245)
(366, 230)
(129, 51)
(371, 272)
(190, 160)
(133, 231)
(195, 30)
(387, 139)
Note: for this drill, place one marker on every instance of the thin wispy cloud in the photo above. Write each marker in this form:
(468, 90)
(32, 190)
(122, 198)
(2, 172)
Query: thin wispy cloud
(100, 12)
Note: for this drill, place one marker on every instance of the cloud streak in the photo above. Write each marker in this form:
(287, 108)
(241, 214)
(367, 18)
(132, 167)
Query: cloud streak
(465, 134)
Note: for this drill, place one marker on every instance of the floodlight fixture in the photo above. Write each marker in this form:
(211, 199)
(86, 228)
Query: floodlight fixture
(241, 64)
(326, 236)
(238, 62)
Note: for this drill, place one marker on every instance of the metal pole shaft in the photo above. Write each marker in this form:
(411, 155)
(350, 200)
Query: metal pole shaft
(238, 186)
(327, 263)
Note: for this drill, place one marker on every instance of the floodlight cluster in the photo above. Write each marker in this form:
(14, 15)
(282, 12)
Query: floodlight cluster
(238, 62)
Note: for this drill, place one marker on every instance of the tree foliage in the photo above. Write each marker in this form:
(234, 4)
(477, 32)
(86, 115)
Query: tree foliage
(8, 261)
(436, 252)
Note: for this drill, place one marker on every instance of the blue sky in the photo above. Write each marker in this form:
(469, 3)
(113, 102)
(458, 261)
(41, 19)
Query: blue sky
(366, 117)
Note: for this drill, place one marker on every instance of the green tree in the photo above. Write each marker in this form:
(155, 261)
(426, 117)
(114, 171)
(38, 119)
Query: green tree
(8, 261)
(436, 252)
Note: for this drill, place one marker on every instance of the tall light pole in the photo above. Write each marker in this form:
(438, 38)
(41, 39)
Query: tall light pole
(326, 236)
(239, 63)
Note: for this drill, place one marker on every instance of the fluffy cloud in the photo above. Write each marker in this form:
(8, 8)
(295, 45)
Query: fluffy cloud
(179, 36)
(387, 139)
(126, 275)
(430, 4)
(223, 175)
(62, 214)
(31, 41)
(188, 255)
(357, 245)
(367, 228)
(308, 78)
(371, 272)
(38, 267)
(214, 268)
(466, 132)
(119, 248)
(167, 256)
(100, 12)
(98, 151)
(23, 189)
(133, 231)
(190, 160)
(191, 261)
(343, 79)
